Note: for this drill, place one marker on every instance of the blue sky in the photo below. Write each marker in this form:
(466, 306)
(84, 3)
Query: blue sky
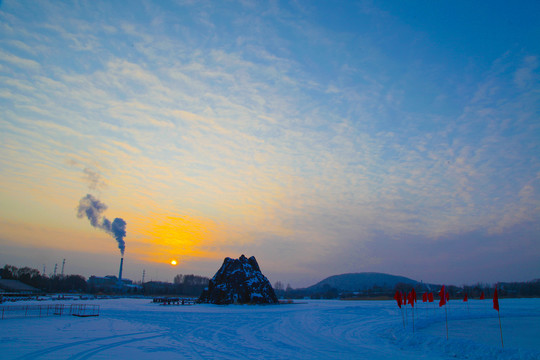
(321, 137)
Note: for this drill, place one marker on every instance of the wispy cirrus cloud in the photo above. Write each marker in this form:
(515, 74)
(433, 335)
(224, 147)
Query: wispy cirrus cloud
(19, 61)
(283, 131)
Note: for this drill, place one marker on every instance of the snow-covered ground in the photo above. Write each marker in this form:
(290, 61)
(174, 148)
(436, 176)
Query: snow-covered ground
(139, 329)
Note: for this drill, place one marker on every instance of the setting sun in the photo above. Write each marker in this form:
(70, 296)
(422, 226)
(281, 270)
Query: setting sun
(173, 262)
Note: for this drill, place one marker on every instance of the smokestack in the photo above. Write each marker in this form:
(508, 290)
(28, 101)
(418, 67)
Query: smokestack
(120, 273)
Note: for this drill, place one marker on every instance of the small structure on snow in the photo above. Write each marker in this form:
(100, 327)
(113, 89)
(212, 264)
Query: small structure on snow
(239, 281)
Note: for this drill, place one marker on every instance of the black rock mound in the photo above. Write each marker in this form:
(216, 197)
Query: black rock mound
(239, 281)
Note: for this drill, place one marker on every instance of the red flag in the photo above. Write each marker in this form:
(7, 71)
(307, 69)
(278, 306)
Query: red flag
(411, 298)
(482, 297)
(496, 300)
(413, 292)
(430, 297)
(442, 295)
(447, 296)
(465, 298)
(398, 298)
(424, 297)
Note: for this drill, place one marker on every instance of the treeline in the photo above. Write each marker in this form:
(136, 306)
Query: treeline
(506, 290)
(193, 285)
(187, 285)
(520, 289)
(32, 277)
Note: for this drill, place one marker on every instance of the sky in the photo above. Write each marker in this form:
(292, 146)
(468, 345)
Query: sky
(321, 137)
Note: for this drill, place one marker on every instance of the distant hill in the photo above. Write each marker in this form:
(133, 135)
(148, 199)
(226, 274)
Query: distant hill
(360, 281)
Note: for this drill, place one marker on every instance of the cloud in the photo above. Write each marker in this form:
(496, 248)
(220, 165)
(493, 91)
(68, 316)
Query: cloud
(462, 258)
(19, 61)
(246, 127)
(525, 75)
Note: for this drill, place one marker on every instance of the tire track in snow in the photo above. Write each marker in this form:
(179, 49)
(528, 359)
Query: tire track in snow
(208, 341)
(87, 354)
(194, 348)
(251, 337)
(40, 353)
(202, 337)
(239, 335)
(337, 334)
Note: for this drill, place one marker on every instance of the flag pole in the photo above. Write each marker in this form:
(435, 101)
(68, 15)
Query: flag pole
(496, 307)
(446, 313)
(413, 319)
(443, 302)
(500, 327)
(397, 296)
(406, 317)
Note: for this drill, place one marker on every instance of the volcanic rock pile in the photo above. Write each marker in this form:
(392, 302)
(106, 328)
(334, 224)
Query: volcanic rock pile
(239, 281)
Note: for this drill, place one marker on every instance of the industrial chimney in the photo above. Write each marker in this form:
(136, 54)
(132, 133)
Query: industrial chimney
(120, 273)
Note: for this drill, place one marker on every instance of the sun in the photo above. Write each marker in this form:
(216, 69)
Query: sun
(174, 262)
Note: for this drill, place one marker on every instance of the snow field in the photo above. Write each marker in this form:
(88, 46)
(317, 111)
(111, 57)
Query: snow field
(139, 329)
(473, 329)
